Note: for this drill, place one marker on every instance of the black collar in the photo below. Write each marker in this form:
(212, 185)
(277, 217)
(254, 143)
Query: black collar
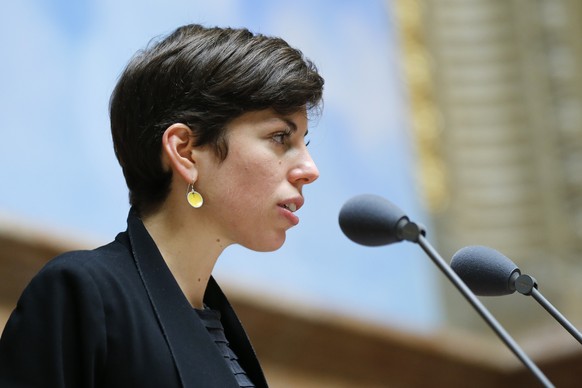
(182, 328)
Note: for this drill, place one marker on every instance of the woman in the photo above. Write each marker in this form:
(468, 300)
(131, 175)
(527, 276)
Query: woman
(209, 127)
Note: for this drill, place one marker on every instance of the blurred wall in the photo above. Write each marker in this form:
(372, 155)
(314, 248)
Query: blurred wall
(496, 92)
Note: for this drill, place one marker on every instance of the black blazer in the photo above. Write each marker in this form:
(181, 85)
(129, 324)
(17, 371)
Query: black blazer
(116, 317)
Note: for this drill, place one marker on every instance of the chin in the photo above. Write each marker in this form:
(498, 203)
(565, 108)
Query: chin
(268, 245)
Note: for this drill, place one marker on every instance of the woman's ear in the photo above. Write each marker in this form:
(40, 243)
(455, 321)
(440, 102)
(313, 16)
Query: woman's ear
(177, 144)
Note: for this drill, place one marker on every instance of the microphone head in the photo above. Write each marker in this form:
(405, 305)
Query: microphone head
(486, 271)
(371, 220)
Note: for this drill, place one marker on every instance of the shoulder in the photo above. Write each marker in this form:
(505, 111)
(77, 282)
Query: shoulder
(64, 315)
(86, 262)
(95, 270)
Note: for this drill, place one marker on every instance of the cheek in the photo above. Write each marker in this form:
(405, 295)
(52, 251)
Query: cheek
(255, 188)
(246, 185)
(255, 171)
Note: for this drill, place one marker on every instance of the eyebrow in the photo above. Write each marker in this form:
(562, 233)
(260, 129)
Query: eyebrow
(293, 126)
(290, 123)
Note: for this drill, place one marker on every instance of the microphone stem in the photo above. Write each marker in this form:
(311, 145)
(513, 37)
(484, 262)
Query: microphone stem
(556, 314)
(474, 301)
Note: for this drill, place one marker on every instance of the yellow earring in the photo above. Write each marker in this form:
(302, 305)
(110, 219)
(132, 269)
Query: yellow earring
(193, 197)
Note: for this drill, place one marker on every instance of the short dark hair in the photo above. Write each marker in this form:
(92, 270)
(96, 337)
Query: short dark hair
(204, 78)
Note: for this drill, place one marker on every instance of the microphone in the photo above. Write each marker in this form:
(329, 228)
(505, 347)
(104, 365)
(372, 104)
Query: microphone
(371, 220)
(486, 271)
(489, 273)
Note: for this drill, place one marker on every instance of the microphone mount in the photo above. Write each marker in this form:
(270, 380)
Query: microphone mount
(527, 285)
(524, 284)
(409, 231)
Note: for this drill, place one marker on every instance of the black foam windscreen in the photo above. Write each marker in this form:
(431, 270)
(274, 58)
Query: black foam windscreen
(371, 220)
(486, 271)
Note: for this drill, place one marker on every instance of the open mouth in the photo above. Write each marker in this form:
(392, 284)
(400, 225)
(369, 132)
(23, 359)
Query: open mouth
(290, 206)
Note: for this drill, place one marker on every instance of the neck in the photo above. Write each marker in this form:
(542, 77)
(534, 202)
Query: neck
(189, 249)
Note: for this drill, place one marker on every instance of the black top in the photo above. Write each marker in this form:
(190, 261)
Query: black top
(211, 319)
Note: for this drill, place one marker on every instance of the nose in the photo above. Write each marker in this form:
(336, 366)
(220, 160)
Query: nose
(305, 171)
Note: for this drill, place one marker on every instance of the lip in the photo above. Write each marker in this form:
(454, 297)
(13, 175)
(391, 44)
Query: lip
(298, 202)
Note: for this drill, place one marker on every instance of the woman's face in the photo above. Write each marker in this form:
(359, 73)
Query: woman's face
(250, 197)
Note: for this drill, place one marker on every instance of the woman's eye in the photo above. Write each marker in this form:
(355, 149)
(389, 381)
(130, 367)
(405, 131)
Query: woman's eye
(281, 137)
(285, 138)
